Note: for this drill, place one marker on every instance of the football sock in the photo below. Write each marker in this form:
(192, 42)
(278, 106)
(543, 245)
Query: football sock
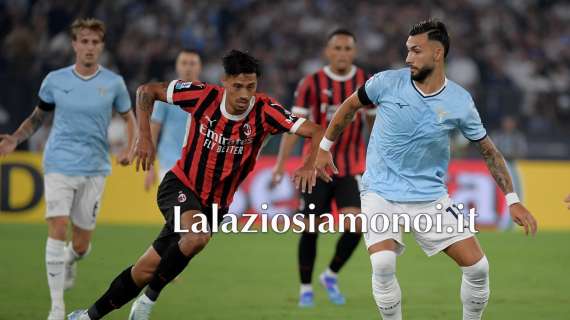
(171, 265)
(306, 288)
(385, 287)
(55, 268)
(344, 249)
(307, 255)
(122, 290)
(475, 289)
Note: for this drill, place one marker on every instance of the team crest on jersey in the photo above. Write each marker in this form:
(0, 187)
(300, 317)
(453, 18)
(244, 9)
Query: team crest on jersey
(102, 91)
(441, 113)
(181, 197)
(246, 129)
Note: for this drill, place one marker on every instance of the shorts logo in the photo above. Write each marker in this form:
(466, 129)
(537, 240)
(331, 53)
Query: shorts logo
(246, 129)
(181, 197)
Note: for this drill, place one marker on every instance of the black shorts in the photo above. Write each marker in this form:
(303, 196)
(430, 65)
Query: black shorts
(172, 192)
(344, 190)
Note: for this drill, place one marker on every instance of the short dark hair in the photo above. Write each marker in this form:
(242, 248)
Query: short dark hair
(342, 32)
(436, 31)
(190, 51)
(237, 62)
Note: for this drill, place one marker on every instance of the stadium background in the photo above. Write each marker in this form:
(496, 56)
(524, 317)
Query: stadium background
(514, 56)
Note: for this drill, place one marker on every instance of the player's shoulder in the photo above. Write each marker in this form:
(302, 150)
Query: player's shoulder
(109, 74)
(59, 74)
(457, 91)
(180, 85)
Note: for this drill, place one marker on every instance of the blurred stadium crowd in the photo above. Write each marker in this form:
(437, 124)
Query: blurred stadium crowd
(513, 55)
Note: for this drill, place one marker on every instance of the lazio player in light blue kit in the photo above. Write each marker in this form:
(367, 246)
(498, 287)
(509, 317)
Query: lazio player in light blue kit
(406, 166)
(81, 98)
(168, 123)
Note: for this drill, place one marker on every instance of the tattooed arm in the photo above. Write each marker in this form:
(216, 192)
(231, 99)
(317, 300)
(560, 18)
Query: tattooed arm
(144, 150)
(8, 143)
(498, 168)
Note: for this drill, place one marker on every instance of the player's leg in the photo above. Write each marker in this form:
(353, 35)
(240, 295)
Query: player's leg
(316, 203)
(84, 211)
(347, 196)
(59, 198)
(475, 290)
(461, 245)
(384, 245)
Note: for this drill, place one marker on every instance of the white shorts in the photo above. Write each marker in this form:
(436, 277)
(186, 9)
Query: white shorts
(76, 197)
(431, 241)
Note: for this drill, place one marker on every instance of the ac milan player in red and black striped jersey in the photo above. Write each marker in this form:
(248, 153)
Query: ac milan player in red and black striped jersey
(225, 131)
(317, 98)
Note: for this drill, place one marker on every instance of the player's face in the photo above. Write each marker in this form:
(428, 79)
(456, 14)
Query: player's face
(421, 56)
(188, 66)
(88, 47)
(239, 90)
(340, 52)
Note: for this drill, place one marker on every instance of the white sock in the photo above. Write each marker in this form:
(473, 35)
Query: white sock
(330, 273)
(306, 288)
(475, 289)
(55, 259)
(385, 286)
(146, 299)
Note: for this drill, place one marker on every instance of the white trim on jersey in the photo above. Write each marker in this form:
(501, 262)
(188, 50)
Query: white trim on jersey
(188, 123)
(297, 125)
(170, 91)
(336, 77)
(425, 95)
(300, 111)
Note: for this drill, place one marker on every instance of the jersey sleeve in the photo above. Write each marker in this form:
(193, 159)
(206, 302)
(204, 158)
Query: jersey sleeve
(159, 112)
(122, 101)
(373, 89)
(304, 98)
(279, 120)
(45, 95)
(185, 94)
(471, 126)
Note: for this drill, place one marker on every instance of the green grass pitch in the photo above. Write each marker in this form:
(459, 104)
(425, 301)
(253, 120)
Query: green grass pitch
(254, 276)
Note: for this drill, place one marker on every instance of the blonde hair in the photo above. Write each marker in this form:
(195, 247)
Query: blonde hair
(89, 23)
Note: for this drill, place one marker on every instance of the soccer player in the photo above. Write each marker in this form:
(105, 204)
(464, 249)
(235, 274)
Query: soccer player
(406, 165)
(226, 132)
(169, 123)
(81, 98)
(317, 98)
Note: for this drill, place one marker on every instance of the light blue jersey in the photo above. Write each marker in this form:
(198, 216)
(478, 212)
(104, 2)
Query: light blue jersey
(77, 144)
(408, 153)
(173, 120)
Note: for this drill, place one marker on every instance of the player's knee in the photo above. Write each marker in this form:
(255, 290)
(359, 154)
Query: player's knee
(142, 275)
(475, 290)
(383, 266)
(191, 244)
(477, 272)
(81, 248)
(57, 227)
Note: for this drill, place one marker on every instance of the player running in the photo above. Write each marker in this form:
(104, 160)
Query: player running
(224, 137)
(170, 123)
(317, 98)
(406, 165)
(81, 98)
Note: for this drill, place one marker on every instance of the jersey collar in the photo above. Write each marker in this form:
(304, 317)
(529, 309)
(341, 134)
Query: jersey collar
(86, 78)
(336, 77)
(235, 117)
(432, 94)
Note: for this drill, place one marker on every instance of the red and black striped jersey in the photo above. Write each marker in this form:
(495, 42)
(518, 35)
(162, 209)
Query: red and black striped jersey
(317, 97)
(220, 148)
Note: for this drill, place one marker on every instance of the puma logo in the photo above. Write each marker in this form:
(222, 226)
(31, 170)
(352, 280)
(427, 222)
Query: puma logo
(210, 121)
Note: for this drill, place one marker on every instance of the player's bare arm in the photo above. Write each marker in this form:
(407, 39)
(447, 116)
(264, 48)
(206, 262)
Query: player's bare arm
(8, 143)
(151, 176)
(498, 168)
(341, 119)
(144, 150)
(288, 142)
(306, 176)
(129, 117)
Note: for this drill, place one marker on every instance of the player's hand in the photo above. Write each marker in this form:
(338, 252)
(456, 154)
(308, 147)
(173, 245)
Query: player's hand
(143, 152)
(124, 157)
(567, 200)
(524, 218)
(276, 176)
(325, 164)
(8, 143)
(305, 178)
(150, 179)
